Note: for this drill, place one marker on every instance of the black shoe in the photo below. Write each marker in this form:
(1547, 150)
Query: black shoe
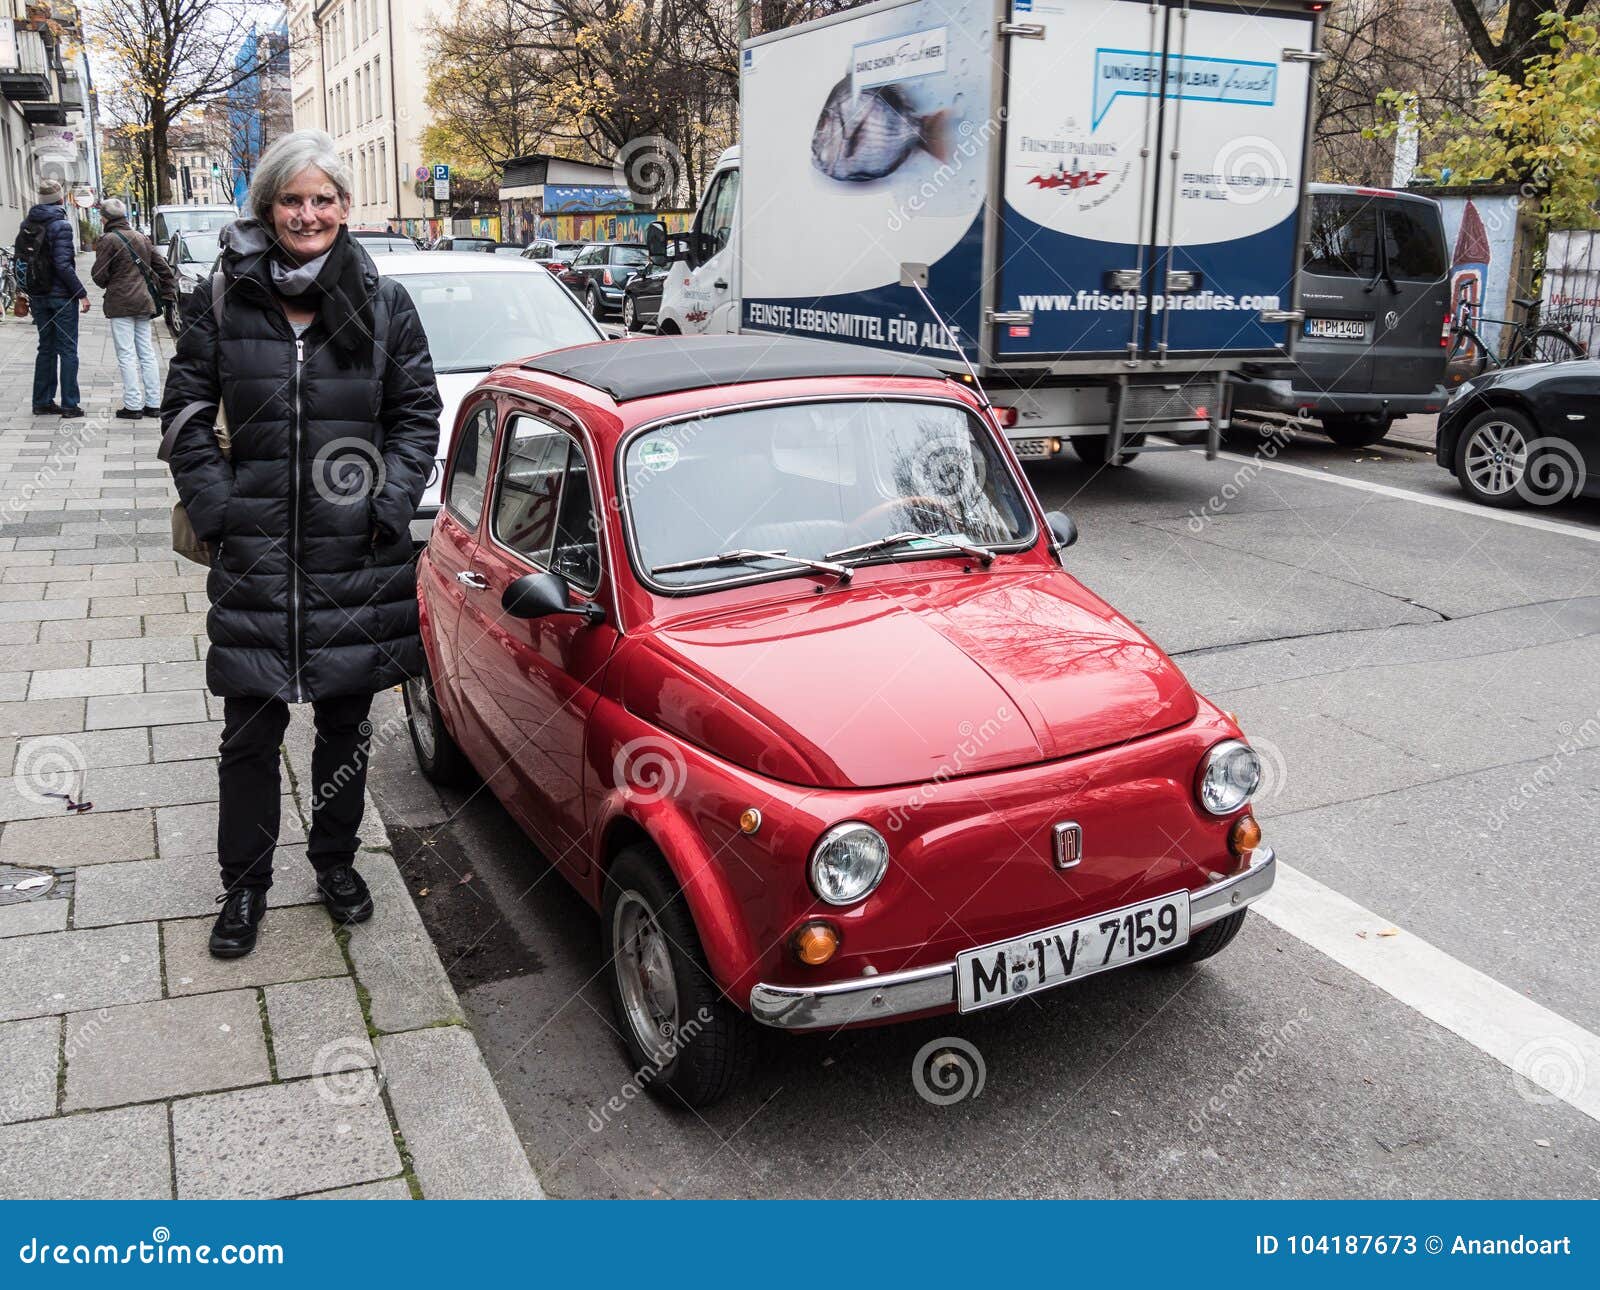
(130, 414)
(345, 894)
(233, 935)
(72, 412)
(153, 412)
(47, 409)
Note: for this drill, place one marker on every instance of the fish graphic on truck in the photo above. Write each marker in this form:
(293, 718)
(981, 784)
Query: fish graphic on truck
(1109, 226)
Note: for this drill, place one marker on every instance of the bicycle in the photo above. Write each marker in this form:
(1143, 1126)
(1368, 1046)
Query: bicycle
(9, 287)
(1531, 341)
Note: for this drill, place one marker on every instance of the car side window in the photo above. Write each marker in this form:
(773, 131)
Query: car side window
(469, 471)
(1413, 245)
(530, 488)
(538, 252)
(576, 555)
(722, 215)
(1342, 240)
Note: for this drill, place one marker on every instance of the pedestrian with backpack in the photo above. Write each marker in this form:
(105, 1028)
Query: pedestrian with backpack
(304, 503)
(138, 283)
(49, 278)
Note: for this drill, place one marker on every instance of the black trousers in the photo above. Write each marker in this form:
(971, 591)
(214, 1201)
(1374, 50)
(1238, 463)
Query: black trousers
(250, 786)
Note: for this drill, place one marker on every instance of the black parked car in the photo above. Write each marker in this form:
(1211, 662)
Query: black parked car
(641, 298)
(486, 244)
(601, 270)
(1525, 435)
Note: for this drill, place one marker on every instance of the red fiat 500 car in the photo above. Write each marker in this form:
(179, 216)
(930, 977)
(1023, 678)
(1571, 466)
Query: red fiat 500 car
(769, 647)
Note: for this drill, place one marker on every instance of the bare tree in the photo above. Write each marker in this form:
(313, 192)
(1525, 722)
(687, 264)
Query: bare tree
(176, 55)
(1522, 39)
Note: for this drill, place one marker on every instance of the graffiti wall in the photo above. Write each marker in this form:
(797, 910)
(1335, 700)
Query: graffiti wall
(1486, 234)
(522, 221)
(1571, 288)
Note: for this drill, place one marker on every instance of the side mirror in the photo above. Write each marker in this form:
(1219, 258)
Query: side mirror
(538, 595)
(680, 247)
(1063, 532)
(655, 240)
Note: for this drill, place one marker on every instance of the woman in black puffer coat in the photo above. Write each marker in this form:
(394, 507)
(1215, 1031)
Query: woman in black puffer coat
(323, 372)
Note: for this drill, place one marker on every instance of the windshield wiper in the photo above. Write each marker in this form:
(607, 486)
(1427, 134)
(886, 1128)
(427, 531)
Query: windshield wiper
(980, 553)
(842, 572)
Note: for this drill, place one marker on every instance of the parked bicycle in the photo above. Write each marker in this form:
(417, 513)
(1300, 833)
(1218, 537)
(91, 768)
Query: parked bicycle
(10, 289)
(1530, 342)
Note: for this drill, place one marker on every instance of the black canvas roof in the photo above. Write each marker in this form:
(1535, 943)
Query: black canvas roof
(637, 369)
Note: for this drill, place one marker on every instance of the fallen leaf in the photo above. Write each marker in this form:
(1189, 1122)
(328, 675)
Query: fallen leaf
(464, 879)
(1541, 1142)
(1362, 935)
(423, 892)
(1390, 931)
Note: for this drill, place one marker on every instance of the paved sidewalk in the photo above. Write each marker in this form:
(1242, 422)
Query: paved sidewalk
(132, 1064)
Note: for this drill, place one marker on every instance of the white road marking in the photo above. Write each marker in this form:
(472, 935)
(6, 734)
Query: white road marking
(1406, 495)
(1546, 1050)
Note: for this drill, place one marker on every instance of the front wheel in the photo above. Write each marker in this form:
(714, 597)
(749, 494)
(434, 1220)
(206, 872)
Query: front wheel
(1356, 431)
(630, 315)
(438, 755)
(597, 307)
(1501, 460)
(1209, 940)
(683, 1037)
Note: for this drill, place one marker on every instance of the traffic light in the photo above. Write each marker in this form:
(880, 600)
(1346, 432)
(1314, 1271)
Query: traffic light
(216, 169)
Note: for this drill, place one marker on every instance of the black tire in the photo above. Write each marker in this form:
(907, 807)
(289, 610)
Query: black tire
(1547, 345)
(1091, 449)
(1209, 940)
(666, 327)
(1548, 472)
(438, 755)
(630, 315)
(597, 306)
(705, 1066)
(1356, 431)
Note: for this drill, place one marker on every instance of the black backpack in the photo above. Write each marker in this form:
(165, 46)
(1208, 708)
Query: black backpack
(35, 273)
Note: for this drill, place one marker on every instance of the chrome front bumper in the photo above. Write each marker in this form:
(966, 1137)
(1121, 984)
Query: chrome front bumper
(894, 994)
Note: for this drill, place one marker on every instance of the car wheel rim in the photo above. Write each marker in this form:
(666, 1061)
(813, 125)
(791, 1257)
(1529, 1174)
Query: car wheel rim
(627, 312)
(645, 978)
(421, 704)
(1497, 458)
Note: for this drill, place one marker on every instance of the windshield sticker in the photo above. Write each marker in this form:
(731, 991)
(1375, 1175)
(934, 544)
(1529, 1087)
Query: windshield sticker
(658, 454)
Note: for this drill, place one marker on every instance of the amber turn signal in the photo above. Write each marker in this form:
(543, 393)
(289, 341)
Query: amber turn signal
(815, 943)
(1244, 837)
(749, 820)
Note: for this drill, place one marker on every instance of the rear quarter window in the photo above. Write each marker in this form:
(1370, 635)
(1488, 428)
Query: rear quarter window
(1342, 240)
(1413, 240)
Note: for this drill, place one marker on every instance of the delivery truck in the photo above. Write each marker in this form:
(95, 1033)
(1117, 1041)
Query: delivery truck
(1094, 204)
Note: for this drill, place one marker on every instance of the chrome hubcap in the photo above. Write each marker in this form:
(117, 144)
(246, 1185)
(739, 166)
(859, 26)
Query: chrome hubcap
(420, 702)
(1497, 458)
(643, 965)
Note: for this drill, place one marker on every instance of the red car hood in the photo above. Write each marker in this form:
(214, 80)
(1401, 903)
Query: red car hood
(908, 681)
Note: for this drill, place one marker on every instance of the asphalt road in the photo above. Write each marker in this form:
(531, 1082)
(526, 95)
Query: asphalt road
(1412, 1013)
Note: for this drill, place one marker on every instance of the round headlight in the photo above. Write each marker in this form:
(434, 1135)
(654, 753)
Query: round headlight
(848, 861)
(1229, 773)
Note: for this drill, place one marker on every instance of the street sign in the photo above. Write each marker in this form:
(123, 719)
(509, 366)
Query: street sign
(441, 190)
(441, 174)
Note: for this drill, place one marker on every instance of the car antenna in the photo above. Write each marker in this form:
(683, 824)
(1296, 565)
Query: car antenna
(915, 276)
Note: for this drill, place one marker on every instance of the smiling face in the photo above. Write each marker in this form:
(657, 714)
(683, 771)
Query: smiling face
(307, 214)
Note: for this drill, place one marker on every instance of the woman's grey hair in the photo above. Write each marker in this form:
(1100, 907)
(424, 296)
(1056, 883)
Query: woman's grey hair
(113, 208)
(285, 159)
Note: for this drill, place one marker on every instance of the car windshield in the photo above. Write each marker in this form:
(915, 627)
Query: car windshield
(475, 321)
(200, 248)
(387, 245)
(813, 481)
(181, 221)
(508, 250)
(470, 244)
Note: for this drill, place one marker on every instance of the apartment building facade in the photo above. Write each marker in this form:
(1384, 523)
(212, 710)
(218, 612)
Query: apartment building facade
(358, 69)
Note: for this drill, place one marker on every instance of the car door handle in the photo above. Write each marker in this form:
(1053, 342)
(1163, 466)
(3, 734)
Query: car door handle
(721, 284)
(472, 578)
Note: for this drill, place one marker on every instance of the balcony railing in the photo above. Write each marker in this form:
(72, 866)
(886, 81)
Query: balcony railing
(28, 79)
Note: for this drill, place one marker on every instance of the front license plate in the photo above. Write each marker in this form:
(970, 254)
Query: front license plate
(1031, 449)
(1010, 969)
(1336, 328)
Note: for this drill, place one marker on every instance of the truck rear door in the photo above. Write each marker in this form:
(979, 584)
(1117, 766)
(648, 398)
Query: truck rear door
(1150, 178)
(1413, 299)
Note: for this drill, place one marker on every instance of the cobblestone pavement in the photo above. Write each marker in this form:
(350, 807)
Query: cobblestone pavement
(328, 1063)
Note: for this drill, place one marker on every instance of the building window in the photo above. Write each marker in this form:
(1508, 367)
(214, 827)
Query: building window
(383, 172)
(377, 87)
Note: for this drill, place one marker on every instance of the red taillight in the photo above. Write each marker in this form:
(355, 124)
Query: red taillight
(1007, 417)
(1449, 326)
(605, 276)
(1201, 413)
